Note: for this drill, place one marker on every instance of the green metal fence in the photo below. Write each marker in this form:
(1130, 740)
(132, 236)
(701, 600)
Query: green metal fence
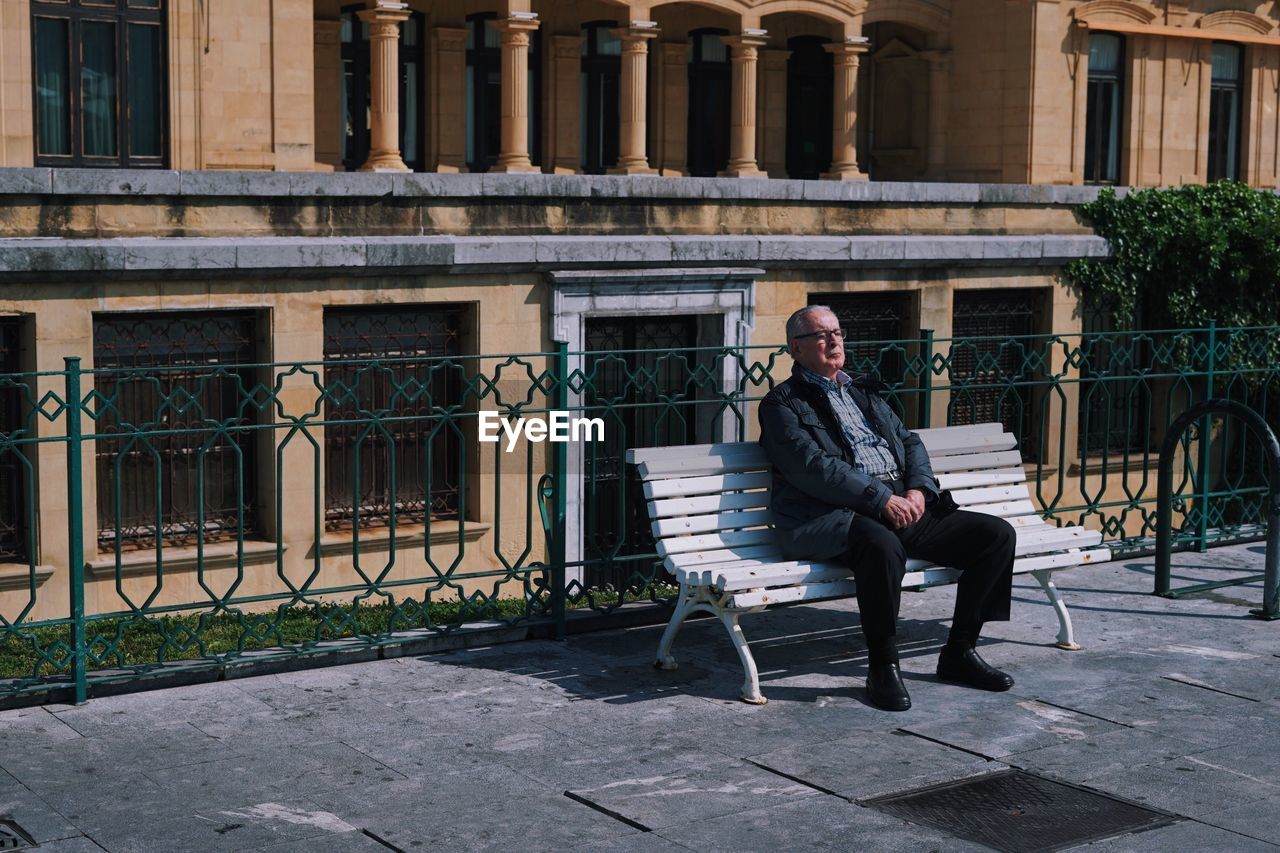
(196, 517)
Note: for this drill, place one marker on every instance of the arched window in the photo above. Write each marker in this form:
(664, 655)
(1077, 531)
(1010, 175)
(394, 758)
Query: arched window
(357, 102)
(601, 76)
(484, 93)
(101, 83)
(1225, 94)
(810, 82)
(710, 77)
(1105, 98)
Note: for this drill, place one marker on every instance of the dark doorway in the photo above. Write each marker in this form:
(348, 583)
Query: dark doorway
(645, 382)
(601, 77)
(710, 79)
(810, 82)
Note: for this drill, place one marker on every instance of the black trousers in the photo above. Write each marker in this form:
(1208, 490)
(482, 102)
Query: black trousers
(980, 545)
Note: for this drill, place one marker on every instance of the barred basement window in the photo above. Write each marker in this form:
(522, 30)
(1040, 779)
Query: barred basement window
(393, 454)
(177, 458)
(14, 478)
(867, 317)
(990, 376)
(101, 83)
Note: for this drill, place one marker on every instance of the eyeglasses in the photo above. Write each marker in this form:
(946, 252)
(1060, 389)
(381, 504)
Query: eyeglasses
(825, 334)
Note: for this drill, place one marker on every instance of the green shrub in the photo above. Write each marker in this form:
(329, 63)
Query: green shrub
(1188, 255)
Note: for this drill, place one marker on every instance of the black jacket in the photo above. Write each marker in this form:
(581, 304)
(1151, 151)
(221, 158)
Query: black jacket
(816, 485)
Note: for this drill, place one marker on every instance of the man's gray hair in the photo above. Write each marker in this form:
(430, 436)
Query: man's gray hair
(795, 323)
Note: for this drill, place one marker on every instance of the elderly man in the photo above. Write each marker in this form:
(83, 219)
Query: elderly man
(852, 484)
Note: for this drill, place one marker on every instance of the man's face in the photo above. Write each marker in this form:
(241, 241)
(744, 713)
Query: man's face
(821, 353)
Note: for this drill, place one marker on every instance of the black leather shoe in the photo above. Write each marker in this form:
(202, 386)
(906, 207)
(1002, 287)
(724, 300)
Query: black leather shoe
(885, 688)
(964, 666)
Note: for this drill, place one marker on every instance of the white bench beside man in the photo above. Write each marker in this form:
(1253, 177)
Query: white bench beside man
(709, 506)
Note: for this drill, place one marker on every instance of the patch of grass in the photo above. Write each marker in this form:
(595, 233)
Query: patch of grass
(138, 641)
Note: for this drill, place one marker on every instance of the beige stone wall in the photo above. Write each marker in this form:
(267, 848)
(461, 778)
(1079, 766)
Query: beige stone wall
(17, 130)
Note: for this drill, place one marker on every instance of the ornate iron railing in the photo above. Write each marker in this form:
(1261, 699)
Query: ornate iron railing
(527, 534)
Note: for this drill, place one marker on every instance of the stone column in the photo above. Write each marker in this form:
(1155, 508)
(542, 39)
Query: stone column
(744, 52)
(384, 89)
(674, 70)
(514, 153)
(566, 123)
(448, 120)
(633, 101)
(772, 113)
(939, 100)
(844, 118)
(327, 55)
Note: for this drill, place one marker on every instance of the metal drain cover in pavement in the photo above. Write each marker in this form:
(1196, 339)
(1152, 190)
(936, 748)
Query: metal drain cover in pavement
(13, 837)
(1018, 812)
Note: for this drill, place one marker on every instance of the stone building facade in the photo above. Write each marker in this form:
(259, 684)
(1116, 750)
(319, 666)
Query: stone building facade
(266, 178)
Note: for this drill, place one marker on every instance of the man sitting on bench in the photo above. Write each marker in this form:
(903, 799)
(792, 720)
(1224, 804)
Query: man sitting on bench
(852, 484)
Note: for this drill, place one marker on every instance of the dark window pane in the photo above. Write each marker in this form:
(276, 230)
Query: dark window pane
(1103, 109)
(53, 111)
(98, 102)
(1224, 113)
(145, 90)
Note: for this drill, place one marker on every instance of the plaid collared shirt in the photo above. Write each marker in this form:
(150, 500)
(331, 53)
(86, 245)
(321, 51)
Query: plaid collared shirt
(871, 452)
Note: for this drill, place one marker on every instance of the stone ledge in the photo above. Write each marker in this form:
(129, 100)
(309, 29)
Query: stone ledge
(217, 555)
(16, 576)
(425, 185)
(308, 255)
(379, 539)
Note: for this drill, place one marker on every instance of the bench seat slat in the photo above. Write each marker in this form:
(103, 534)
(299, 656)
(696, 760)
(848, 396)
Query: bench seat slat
(711, 523)
(975, 479)
(976, 461)
(708, 541)
(680, 487)
(991, 494)
(974, 443)
(709, 504)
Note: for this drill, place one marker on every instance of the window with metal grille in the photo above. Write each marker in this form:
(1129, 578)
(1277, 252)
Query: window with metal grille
(1104, 100)
(176, 455)
(990, 368)
(101, 83)
(867, 317)
(357, 101)
(1115, 404)
(393, 453)
(1225, 92)
(14, 470)
(645, 383)
(601, 78)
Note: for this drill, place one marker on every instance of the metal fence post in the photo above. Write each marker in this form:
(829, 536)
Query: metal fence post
(75, 529)
(1206, 425)
(559, 480)
(924, 403)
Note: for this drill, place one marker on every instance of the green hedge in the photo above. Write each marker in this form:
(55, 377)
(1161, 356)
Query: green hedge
(1188, 255)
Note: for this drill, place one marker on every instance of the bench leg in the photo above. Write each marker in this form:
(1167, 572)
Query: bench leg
(1066, 637)
(684, 607)
(751, 685)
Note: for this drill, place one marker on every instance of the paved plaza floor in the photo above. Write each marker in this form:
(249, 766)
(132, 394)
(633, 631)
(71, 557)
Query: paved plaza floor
(581, 745)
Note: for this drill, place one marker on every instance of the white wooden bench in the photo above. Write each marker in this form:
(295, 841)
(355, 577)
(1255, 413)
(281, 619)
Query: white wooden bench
(710, 509)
